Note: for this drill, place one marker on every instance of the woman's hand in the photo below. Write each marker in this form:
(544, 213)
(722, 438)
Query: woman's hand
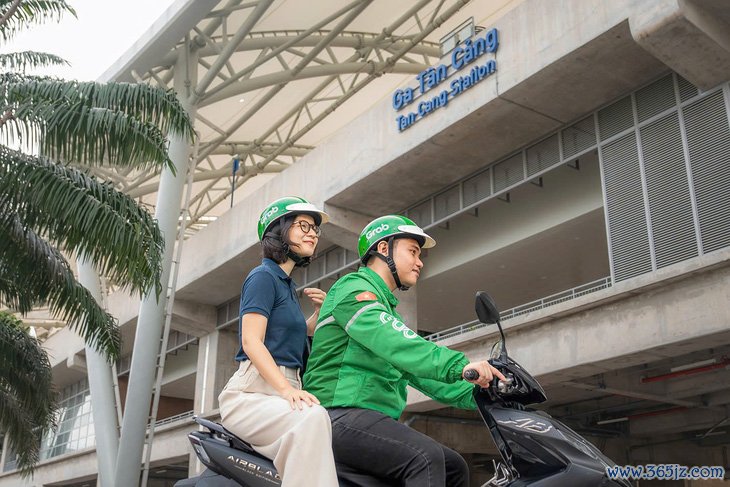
(298, 396)
(316, 296)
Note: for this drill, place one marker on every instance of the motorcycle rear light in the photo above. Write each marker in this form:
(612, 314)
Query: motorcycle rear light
(202, 454)
(199, 450)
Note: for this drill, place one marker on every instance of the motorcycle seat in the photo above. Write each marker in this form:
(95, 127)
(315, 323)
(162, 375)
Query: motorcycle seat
(237, 442)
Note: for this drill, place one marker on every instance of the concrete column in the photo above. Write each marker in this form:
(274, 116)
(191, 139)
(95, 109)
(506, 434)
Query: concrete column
(152, 309)
(691, 37)
(101, 386)
(408, 307)
(216, 364)
(344, 226)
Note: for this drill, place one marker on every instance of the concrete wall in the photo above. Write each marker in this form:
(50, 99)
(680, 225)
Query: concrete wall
(170, 446)
(678, 309)
(531, 210)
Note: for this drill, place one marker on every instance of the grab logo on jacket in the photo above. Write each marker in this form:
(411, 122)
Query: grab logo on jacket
(397, 325)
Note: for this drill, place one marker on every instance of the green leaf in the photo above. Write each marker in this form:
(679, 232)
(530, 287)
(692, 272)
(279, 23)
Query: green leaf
(30, 12)
(92, 123)
(28, 401)
(26, 60)
(46, 205)
(85, 217)
(154, 105)
(32, 273)
(91, 136)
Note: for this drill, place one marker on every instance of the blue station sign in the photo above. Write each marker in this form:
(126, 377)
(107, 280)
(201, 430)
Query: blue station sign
(469, 53)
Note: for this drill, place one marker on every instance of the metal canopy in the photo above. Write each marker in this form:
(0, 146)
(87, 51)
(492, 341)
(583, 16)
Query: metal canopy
(272, 75)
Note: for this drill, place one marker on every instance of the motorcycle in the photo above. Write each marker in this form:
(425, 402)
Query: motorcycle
(536, 450)
(232, 462)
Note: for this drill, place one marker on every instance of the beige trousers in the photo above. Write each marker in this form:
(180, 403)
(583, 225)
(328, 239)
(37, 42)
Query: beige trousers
(298, 441)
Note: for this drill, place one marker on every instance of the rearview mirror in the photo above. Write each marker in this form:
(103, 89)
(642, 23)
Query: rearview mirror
(486, 309)
(488, 313)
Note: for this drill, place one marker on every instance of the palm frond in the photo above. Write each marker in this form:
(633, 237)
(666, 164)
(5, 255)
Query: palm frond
(24, 354)
(24, 436)
(32, 272)
(154, 105)
(92, 123)
(24, 365)
(84, 216)
(26, 60)
(16, 15)
(28, 402)
(89, 135)
(10, 78)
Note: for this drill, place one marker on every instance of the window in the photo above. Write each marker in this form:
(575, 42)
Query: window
(75, 424)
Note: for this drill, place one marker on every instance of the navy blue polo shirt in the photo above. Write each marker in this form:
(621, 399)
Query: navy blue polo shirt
(270, 292)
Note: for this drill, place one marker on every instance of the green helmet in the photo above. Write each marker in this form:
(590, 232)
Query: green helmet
(388, 226)
(287, 206)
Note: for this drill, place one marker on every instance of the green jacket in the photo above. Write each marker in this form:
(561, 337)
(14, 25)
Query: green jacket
(364, 356)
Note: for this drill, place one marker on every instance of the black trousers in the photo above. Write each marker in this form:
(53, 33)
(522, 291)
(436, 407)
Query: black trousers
(372, 442)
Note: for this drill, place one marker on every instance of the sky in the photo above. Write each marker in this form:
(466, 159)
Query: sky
(103, 31)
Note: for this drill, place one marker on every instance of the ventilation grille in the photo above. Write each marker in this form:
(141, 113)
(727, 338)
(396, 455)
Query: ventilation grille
(653, 220)
(708, 139)
(655, 98)
(508, 172)
(615, 118)
(687, 90)
(335, 259)
(316, 269)
(670, 205)
(421, 214)
(446, 203)
(543, 155)
(625, 209)
(579, 137)
(477, 188)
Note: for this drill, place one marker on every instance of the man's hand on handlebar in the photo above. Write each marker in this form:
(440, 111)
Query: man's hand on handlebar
(486, 373)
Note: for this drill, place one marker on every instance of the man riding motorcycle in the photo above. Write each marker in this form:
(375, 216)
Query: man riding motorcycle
(364, 355)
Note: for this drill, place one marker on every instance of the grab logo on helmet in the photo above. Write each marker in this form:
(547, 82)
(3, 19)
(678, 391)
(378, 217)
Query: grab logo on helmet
(268, 214)
(376, 230)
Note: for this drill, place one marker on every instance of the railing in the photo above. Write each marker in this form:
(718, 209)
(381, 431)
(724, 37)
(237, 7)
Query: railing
(545, 302)
(176, 341)
(13, 464)
(172, 419)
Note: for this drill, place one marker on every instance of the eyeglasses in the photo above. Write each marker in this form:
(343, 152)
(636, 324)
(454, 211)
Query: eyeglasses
(306, 227)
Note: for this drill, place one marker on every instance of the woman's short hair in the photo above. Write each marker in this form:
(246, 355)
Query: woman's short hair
(275, 243)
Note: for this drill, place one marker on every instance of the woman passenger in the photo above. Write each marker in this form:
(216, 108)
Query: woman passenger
(263, 402)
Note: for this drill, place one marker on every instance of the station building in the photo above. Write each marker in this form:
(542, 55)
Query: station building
(572, 158)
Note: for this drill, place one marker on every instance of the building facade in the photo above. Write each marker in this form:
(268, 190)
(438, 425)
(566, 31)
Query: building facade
(571, 158)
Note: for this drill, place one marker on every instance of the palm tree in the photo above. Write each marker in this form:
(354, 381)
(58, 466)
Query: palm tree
(51, 132)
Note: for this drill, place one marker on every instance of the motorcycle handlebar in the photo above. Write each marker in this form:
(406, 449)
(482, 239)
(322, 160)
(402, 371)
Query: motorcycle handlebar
(502, 386)
(471, 374)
